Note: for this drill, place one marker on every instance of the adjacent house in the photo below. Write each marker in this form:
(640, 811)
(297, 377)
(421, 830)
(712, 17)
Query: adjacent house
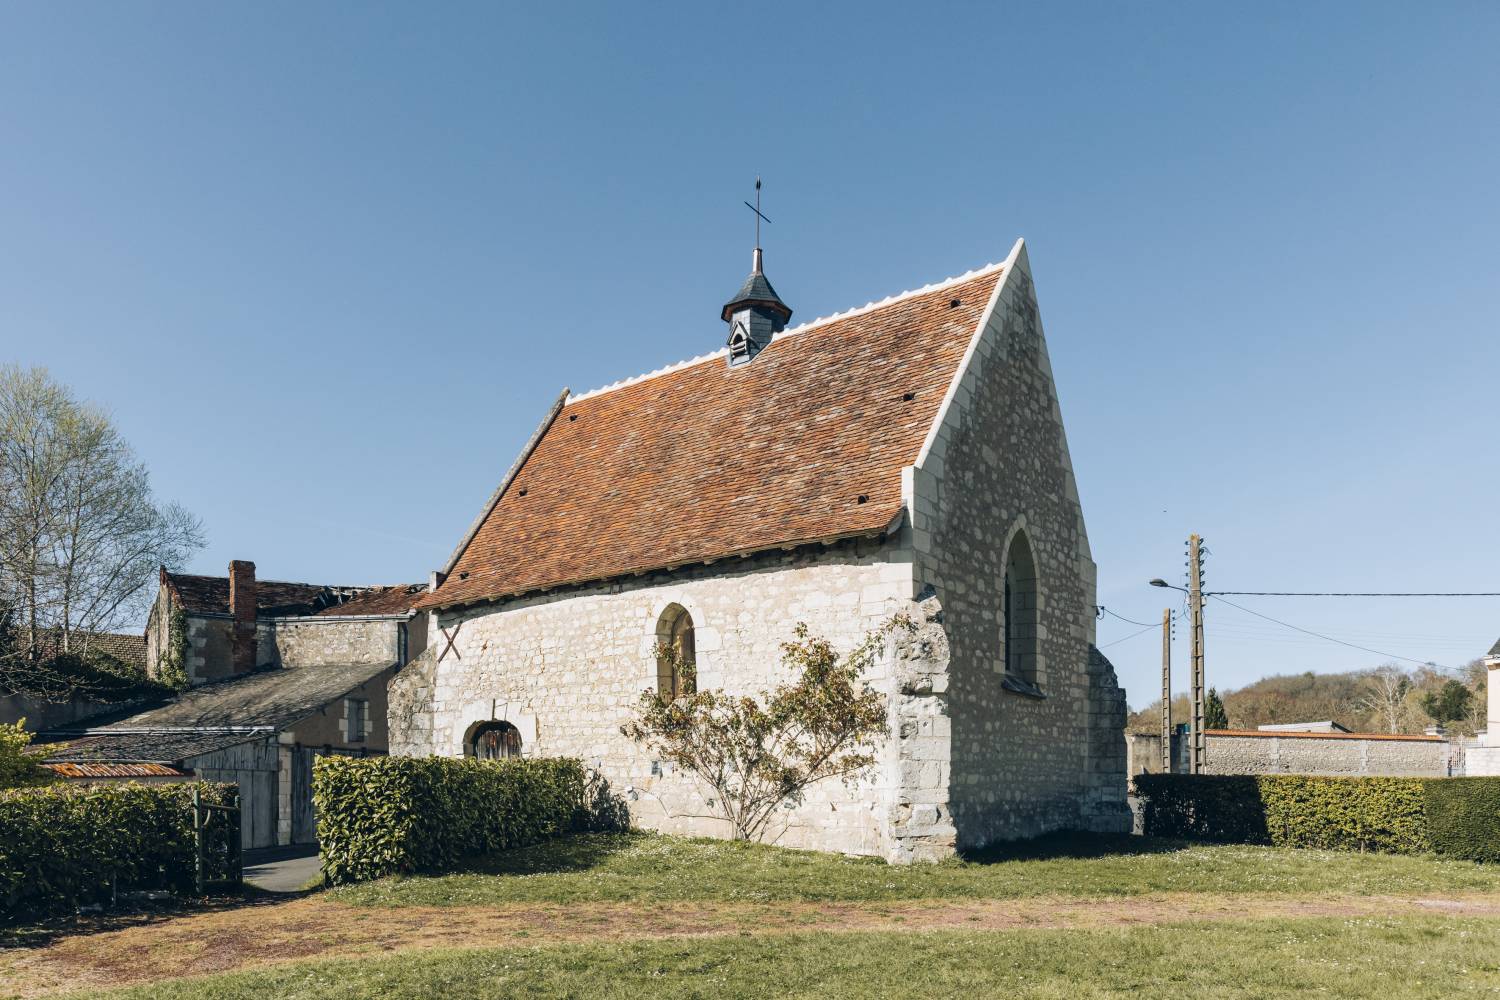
(904, 456)
(43, 710)
(278, 674)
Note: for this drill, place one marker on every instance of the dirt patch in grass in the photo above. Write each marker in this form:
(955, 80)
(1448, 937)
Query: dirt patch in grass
(226, 940)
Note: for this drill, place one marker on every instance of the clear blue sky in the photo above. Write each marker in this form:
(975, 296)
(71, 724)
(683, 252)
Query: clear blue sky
(328, 264)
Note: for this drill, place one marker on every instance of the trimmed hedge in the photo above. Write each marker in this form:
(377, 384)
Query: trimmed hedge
(1459, 817)
(64, 846)
(1463, 817)
(382, 816)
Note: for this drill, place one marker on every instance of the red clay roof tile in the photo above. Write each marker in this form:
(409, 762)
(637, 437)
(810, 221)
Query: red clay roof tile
(804, 444)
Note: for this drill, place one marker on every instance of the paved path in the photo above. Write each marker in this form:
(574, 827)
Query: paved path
(282, 869)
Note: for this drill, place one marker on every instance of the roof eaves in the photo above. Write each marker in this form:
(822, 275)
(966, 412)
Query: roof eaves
(1009, 266)
(889, 528)
(515, 468)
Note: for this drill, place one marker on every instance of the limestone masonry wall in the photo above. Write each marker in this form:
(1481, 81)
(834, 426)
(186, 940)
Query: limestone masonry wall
(1330, 755)
(567, 670)
(320, 641)
(997, 467)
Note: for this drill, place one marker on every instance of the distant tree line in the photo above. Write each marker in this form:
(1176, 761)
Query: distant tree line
(1386, 699)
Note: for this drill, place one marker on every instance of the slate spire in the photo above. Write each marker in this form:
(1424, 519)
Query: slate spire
(756, 313)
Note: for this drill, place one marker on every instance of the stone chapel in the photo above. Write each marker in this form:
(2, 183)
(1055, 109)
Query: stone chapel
(906, 455)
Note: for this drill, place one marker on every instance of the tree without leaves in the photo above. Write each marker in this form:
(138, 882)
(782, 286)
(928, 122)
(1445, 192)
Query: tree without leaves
(757, 754)
(1386, 698)
(80, 532)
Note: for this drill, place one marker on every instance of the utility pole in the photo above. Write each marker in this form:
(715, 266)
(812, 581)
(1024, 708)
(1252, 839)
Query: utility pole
(1166, 691)
(1195, 606)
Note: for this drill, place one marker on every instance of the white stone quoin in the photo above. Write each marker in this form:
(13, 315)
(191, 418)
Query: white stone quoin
(1485, 759)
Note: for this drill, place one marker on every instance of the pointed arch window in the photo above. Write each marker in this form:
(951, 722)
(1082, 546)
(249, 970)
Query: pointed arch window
(676, 656)
(1020, 620)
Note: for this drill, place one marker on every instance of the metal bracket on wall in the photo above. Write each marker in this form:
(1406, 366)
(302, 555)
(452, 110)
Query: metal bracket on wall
(451, 640)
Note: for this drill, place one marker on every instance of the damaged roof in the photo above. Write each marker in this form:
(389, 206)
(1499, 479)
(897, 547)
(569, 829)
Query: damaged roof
(210, 595)
(397, 600)
(701, 461)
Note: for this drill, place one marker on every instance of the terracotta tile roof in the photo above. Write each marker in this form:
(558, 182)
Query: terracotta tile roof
(701, 461)
(210, 595)
(128, 648)
(397, 600)
(71, 770)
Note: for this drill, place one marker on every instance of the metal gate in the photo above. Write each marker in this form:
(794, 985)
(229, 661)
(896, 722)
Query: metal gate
(218, 862)
(304, 816)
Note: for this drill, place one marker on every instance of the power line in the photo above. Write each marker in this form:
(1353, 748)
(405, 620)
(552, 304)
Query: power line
(1298, 628)
(1148, 628)
(1302, 593)
(1131, 621)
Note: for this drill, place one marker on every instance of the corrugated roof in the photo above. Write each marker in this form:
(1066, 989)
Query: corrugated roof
(702, 461)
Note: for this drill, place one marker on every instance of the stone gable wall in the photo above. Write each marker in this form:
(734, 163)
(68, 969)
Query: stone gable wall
(998, 465)
(315, 642)
(567, 670)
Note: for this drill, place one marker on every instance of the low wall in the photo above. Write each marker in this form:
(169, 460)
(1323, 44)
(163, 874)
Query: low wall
(1251, 751)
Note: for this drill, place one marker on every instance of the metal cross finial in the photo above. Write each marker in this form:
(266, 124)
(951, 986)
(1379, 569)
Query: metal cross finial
(756, 209)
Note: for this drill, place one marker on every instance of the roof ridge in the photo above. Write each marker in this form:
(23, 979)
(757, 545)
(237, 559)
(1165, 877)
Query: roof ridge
(800, 328)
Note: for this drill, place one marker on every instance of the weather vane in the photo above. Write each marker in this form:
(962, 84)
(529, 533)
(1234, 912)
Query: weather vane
(756, 209)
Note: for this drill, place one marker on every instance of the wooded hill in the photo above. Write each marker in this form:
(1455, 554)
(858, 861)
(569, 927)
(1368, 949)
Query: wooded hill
(1387, 699)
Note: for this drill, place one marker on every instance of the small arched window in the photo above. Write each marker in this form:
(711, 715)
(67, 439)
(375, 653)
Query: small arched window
(1019, 612)
(494, 741)
(676, 656)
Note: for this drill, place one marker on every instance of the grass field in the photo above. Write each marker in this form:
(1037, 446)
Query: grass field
(1409, 958)
(641, 915)
(642, 867)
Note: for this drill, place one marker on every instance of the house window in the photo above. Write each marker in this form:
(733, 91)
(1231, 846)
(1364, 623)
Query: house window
(494, 741)
(1019, 617)
(676, 655)
(356, 720)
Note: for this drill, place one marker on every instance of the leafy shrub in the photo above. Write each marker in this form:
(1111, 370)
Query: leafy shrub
(18, 764)
(1463, 817)
(382, 816)
(1353, 814)
(67, 845)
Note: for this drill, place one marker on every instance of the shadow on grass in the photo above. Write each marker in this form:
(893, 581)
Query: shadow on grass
(577, 853)
(1073, 845)
(40, 931)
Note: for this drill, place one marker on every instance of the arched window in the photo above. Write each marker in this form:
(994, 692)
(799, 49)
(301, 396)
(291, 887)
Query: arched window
(676, 657)
(1019, 612)
(494, 741)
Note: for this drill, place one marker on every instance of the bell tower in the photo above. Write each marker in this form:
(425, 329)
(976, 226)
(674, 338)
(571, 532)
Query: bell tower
(756, 313)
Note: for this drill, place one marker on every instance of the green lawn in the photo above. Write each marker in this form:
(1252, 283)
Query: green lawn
(649, 868)
(1415, 957)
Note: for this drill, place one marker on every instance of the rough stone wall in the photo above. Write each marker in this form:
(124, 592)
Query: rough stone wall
(210, 648)
(567, 670)
(1334, 755)
(998, 465)
(302, 642)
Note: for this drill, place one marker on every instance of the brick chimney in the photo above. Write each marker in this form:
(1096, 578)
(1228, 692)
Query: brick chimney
(242, 608)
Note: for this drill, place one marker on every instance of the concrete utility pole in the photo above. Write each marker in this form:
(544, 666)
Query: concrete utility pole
(1166, 691)
(1195, 606)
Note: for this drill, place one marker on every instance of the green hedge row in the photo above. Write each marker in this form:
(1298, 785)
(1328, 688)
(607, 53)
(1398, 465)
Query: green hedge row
(63, 846)
(395, 815)
(1459, 817)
